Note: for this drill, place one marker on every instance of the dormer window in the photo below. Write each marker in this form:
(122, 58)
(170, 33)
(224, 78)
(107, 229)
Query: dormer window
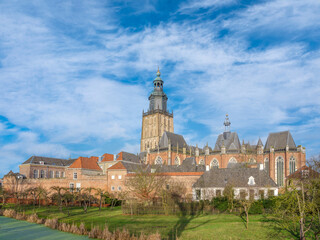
(251, 181)
(41, 162)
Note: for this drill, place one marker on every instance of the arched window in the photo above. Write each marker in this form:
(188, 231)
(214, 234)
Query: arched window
(158, 160)
(57, 174)
(177, 160)
(232, 160)
(266, 165)
(51, 174)
(252, 161)
(42, 174)
(214, 163)
(201, 162)
(292, 165)
(35, 173)
(280, 171)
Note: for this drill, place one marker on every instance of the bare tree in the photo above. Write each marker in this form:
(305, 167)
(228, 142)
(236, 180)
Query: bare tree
(100, 193)
(246, 204)
(59, 192)
(144, 185)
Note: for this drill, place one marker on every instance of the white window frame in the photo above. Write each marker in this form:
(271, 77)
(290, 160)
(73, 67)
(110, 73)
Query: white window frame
(119, 177)
(119, 188)
(75, 175)
(113, 176)
(112, 188)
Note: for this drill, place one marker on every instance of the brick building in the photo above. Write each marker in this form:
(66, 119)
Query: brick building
(169, 154)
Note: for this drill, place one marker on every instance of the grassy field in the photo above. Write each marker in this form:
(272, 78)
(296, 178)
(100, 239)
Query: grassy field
(222, 226)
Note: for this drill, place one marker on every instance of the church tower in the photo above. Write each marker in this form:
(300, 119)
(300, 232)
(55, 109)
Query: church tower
(157, 119)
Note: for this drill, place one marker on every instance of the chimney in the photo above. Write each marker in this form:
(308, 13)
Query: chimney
(114, 157)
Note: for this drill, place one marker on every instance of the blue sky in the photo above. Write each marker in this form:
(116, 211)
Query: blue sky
(76, 75)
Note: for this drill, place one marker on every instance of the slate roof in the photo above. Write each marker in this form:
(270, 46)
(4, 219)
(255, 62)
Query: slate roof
(175, 140)
(125, 156)
(86, 163)
(49, 161)
(188, 165)
(280, 140)
(230, 141)
(238, 177)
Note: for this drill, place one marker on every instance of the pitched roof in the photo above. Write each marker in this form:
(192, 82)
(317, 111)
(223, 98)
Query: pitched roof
(128, 157)
(280, 140)
(107, 157)
(188, 165)
(17, 175)
(229, 139)
(259, 142)
(128, 165)
(117, 166)
(49, 161)
(86, 163)
(237, 177)
(175, 139)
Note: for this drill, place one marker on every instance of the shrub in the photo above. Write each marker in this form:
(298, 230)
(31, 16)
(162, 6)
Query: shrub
(82, 229)
(95, 232)
(21, 216)
(256, 207)
(65, 227)
(74, 228)
(220, 203)
(33, 218)
(52, 223)
(10, 213)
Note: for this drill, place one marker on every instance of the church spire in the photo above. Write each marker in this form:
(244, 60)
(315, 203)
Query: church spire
(227, 124)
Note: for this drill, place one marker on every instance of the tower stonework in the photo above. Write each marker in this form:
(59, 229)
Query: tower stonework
(157, 119)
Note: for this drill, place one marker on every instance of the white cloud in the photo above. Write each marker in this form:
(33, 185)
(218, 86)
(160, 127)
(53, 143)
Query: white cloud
(58, 85)
(194, 5)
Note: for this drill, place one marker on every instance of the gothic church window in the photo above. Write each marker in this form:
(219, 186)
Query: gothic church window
(214, 163)
(266, 165)
(232, 160)
(280, 171)
(158, 160)
(252, 161)
(177, 161)
(292, 165)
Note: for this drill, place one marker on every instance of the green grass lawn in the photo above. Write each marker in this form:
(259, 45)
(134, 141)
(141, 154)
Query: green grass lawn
(221, 226)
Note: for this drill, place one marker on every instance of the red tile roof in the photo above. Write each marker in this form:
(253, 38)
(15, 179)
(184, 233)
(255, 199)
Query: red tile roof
(107, 157)
(86, 163)
(117, 166)
(120, 157)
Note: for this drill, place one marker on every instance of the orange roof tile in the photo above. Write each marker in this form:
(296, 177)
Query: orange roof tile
(107, 157)
(117, 166)
(86, 163)
(120, 156)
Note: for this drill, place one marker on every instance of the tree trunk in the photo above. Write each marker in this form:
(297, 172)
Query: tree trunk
(302, 236)
(100, 203)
